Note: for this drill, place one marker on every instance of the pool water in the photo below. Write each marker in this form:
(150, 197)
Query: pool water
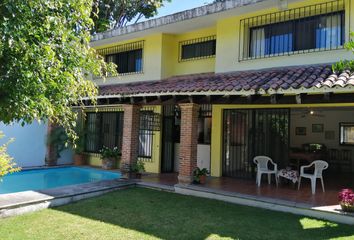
(40, 179)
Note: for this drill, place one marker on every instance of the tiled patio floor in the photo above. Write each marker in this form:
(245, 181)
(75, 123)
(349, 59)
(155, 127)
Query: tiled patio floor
(285, 191)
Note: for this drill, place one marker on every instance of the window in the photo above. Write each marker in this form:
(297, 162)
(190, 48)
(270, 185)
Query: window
(319, 32)
(103, 129)
(198, 48)
(318, 27)
(204, 124)
(204, 130)
(346, 133)
(128, 61)
(149, 122)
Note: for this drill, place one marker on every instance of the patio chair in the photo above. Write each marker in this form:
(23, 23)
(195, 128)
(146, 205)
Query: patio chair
(262, 168)
(319, 165)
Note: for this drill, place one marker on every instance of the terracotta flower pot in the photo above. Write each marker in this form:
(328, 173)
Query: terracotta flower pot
(109, 163)
(202, 179)
(79, 159)
(347, 208)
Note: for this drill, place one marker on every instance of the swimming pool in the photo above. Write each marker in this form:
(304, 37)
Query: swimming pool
(40, 179)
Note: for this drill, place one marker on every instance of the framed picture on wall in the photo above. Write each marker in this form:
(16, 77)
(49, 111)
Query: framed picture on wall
(317, 128)
(300, 131)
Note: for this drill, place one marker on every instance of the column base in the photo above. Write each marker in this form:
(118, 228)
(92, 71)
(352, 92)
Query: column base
(185, 179)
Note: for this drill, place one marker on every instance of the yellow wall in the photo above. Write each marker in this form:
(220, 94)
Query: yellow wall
(152, 55)
(161, 57)
(217, 127)
(151, 166)
(170, 60)
(161, 50)
(228, 32)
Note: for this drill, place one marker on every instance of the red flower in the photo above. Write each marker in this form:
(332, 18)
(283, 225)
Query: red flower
(346, 196)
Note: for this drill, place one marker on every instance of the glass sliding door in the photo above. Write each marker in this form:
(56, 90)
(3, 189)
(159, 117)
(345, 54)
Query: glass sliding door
(249, 133)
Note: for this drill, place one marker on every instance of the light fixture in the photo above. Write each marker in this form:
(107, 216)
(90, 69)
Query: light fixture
(283, 4)
(312, 112)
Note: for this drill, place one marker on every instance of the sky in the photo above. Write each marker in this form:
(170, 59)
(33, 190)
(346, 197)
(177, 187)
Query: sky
(180, 5)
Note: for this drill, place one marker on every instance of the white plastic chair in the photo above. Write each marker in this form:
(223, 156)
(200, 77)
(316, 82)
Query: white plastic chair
(320, 165)
(262, 168)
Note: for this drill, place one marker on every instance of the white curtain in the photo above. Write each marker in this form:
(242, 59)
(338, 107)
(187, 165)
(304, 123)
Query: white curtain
(329, 33)
(145, 142)
(257, 48)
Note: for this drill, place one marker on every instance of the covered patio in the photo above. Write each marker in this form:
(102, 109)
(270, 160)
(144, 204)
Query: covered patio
(285, 193)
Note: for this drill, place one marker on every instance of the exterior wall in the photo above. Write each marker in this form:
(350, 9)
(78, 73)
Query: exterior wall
(172, 66)
(152, 58)
(161, 50)
(151, 166)
(29, 147)
(217, 127)
(228, 33)
(161, 58)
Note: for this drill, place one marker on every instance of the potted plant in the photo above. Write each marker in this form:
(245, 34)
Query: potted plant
(346, 200)
(109, 157)
(79, 157)
(137, 169)
(199, 175)
(79, 148)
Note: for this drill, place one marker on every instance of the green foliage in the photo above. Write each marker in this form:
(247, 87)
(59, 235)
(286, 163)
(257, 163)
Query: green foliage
(45, 57)
(79, 145)
(6, 162)
(197, 173)
(346, 64)
(58, 139)
(138, 167)
(109, 14)
(107, 152)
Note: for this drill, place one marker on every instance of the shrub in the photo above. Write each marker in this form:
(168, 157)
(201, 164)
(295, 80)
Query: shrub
(7, 165)
(107, 152)
(346, 197)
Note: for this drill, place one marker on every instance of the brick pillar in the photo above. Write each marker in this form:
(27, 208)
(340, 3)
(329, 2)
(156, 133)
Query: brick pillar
(51, 158)
(130, 136)
(189, 142)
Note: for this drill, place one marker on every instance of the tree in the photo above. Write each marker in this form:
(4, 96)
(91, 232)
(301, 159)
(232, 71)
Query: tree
(109, 14)
(45, 57)
(6, 162)
(346, 64)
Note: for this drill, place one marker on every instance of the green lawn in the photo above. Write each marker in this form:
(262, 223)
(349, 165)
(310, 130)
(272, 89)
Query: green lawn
(149, 214)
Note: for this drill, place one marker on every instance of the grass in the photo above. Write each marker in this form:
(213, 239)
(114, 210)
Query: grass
(148, 214)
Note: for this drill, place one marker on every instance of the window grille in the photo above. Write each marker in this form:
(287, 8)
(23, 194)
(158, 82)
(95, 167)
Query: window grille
(128, 57)
(204, 124)
(121, 48)
(198, 48)
(103, 129)
(149, 122)
(319, 27)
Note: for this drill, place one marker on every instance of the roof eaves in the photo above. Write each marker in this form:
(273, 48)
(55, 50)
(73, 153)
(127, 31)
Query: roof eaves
(174, 18)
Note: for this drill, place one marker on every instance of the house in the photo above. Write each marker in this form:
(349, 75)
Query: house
(217, 85)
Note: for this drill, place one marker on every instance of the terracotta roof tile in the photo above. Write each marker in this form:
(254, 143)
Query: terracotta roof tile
(307, 77)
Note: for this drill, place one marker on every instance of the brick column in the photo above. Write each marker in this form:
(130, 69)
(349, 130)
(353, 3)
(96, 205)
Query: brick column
(130, 136)
(189, 142)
